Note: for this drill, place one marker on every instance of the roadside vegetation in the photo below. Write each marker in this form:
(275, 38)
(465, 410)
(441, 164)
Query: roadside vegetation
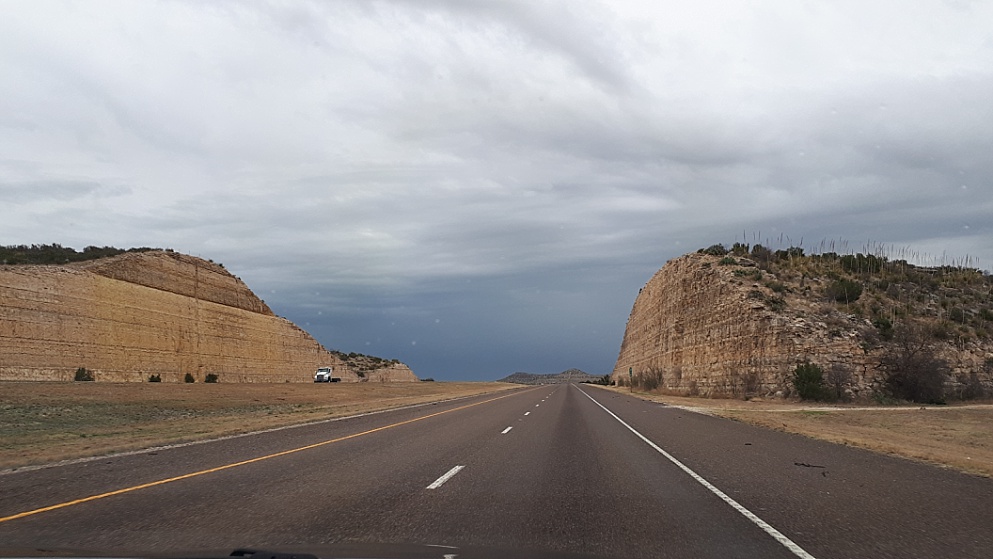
(913, 315)
(58, 254)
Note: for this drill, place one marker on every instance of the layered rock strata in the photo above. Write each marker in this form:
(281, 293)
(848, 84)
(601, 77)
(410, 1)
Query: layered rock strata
(697, 327)
(156, 313)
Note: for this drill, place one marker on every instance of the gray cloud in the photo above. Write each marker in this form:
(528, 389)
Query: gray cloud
(491, 180)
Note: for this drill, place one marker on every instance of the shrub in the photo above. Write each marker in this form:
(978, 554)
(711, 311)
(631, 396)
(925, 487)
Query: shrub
(844, 290)
(972, 387)
(957, 314)
(761, 254)
(693, 389)
(82, 375)
(776, 287)
(211, 378)
(189, 378)
(740, 249)
(838, 376)
(912, 372)
(808, 379)
(154, 378)
(714, 250)
(649, 380)
(861, 263)
(749, 384)
(776, 304)
(727, 261)
(885, 328)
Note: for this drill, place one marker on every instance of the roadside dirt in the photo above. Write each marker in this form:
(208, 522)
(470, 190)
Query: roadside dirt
(954, 436)
(45, 422)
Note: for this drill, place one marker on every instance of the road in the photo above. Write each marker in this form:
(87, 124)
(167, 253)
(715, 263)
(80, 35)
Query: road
(564, 468)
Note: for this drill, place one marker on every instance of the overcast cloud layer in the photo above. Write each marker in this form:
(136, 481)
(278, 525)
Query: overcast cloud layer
(481, 187)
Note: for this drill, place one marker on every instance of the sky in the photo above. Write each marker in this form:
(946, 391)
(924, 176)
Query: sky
(481, 187)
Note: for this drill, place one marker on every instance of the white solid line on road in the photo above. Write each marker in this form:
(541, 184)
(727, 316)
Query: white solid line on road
(527, 413)
(441, 481)
(776, 534)
(505, 431)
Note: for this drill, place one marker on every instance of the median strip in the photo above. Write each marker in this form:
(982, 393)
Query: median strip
(236, 464)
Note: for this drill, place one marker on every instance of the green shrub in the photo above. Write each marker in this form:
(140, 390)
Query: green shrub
(776, 286)
(844, 290)
(189, 378)
(714, 250)
(82, 375)
(957, 314)
(727, 261)
(154, 378)
(740, 249)
(885, 328)
(761, 254)
(808, 379)
(210, 378)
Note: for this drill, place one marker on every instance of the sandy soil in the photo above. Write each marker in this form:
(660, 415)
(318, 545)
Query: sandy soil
(45, 422)
(955, 436)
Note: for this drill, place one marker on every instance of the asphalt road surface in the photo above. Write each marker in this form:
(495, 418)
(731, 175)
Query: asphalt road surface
(566, 468)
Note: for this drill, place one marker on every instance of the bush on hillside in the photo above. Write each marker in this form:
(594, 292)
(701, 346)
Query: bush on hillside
(844, 290)
(808, 379)
(714, 250)
(912, 372)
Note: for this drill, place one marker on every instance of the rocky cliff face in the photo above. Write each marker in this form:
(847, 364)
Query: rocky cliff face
(700, 327)
(127, 317)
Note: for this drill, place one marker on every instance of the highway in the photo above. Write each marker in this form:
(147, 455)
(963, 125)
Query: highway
(561, 468)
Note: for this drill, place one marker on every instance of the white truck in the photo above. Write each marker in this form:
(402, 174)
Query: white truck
(323, 374)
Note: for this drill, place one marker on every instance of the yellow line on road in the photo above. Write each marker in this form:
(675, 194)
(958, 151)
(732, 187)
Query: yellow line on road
(236, 464)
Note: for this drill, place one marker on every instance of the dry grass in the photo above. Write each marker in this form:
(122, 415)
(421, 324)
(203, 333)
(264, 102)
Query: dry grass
(47, 422)
(957, 436)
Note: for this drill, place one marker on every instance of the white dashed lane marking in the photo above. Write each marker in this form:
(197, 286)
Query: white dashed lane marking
(441, 481)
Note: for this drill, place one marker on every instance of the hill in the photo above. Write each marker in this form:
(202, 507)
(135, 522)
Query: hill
(740, 321)
(570, 375)
(135, 314)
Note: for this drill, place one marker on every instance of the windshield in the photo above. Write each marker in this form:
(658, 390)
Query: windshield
(608, 277)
